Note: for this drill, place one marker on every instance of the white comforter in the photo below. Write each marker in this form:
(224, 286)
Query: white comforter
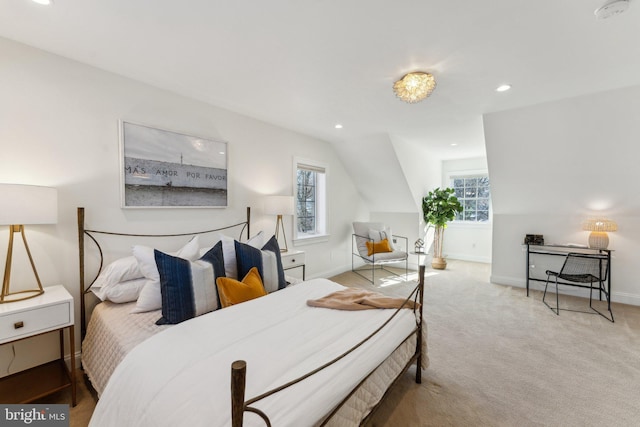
(181, 377)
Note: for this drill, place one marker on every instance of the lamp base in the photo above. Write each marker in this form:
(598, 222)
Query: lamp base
(6, 295)
(598, 240)
(279, 227)
(21, 296)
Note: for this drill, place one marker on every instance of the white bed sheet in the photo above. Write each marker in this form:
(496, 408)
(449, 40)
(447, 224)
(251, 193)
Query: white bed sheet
(182, 375)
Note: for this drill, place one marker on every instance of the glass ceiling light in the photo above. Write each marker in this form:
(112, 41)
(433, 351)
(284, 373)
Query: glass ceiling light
(414, 87)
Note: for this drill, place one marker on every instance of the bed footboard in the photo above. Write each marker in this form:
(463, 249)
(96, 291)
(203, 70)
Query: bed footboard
(239, 368)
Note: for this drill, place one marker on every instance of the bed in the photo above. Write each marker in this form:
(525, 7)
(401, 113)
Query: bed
(299, 365)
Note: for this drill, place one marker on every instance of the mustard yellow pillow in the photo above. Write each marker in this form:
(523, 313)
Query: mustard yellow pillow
(378, 247)
(232, 291)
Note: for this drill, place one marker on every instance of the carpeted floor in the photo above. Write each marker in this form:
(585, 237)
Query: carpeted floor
(499, 358)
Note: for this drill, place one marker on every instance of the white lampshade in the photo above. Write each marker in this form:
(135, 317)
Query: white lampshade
(278, 205)
(28, 204)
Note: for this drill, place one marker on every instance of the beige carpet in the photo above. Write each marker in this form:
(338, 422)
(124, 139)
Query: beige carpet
(499, 358)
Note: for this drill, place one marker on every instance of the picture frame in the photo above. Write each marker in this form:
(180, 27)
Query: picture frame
(168, 169)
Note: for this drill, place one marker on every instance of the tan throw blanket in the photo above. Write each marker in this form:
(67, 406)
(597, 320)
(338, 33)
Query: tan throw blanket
(359, 299)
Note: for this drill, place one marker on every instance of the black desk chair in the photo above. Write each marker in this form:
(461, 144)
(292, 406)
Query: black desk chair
(582, 268)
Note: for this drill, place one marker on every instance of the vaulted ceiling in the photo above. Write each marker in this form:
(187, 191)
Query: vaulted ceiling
(309, 64)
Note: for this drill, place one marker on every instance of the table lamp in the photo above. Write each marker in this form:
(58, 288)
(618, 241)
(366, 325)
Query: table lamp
(279, 205)
(598, 239)
(24, 204)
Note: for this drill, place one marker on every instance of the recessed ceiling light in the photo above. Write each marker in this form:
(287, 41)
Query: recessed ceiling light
(453, 144)
(503, 88)
(43, 2)
(338, 126)
(220, 152)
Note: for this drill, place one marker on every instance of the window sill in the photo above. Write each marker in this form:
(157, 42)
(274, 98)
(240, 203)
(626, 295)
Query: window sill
(310, 240)
(469, 224)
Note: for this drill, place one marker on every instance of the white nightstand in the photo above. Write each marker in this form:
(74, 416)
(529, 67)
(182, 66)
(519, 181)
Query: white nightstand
(51, 311)
(293, 259)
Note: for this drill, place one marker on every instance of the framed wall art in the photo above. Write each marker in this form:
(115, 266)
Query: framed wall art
(164, 169)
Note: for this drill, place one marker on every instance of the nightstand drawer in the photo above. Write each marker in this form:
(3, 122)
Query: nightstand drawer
(294, 259)
(32, 322)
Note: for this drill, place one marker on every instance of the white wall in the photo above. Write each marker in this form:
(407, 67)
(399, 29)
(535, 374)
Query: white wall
(59, 127)
(555, 164)
(466, 241)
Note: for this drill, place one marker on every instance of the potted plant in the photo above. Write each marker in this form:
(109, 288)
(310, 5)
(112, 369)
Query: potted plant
(439, 207)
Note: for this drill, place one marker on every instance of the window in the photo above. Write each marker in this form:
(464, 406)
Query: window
(474, 194)
(310, 184)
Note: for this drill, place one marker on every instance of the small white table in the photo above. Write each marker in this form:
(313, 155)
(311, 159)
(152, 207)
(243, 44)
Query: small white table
(293, 259)
(51, 311)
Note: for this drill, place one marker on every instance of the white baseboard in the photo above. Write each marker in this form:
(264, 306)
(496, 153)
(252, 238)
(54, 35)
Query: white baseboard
(463, 257)
(620, 297)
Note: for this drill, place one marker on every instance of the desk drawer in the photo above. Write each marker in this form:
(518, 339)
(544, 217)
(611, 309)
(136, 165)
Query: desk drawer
(32, 322)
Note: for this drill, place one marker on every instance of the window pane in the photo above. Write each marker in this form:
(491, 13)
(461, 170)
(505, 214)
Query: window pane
(483, 204)
(458, 182)
(483, 182)
(483, 192)
(306, 225)
(470, 192)
(469, 205)
(459, 192)
(483, 216)
(470, 182)
(469, 215)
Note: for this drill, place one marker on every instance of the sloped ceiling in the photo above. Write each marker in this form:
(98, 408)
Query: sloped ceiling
(309, 64)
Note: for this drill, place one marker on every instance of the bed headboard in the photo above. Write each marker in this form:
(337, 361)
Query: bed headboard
(93, 234)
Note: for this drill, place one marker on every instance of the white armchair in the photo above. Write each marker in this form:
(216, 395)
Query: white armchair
(374, 232)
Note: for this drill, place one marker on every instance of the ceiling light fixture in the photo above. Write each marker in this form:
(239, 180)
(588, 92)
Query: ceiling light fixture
(414, 87)
(611, 8)
(338, 126)
(503, 88)
(43, 2)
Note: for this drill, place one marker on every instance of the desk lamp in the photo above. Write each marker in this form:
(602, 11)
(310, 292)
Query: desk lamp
(279, 205)
(598, 239)
(24, 204)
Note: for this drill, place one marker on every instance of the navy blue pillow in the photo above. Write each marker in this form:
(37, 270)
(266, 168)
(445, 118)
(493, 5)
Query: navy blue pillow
(267, 260)
(188, 288)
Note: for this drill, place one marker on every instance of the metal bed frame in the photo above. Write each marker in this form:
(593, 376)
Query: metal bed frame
(238, 368)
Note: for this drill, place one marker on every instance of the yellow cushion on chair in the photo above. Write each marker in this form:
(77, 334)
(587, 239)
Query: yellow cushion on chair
(378, 247)
(232, 291)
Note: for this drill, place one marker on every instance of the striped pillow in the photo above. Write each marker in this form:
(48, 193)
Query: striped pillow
(267, 260)
(189, 287)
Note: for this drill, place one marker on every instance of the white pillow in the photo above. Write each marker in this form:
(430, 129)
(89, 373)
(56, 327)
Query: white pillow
(385, 233)
(229, 252)
(120, 270)
(150, 297)
(122, 292)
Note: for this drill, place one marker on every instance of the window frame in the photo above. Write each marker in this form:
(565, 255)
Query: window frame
(321, 217)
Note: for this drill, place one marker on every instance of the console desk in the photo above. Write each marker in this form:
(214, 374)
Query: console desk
(563, 250)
